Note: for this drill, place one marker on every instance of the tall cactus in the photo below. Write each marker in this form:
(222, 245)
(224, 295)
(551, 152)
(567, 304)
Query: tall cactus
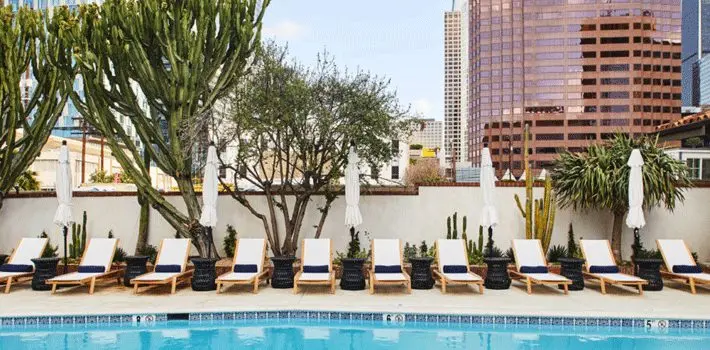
(448, 227)
(183, 56)
(539, 214)
(29, 47)
(455, 233)
(78, 238)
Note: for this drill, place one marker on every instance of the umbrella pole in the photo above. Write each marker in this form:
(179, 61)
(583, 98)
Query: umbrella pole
(489, 245)
(209, 245)
(66, 262)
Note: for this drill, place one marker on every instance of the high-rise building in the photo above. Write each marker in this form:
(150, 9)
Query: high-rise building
(701, 76)
(696, 44)
(576, 72)
(429, 133)
(455, 80)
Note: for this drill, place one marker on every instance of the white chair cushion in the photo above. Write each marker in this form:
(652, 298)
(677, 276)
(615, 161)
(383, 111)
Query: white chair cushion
(173, 251)
(528, 252)
(546, 277)
(390, 277)
(99, 252)
(462, 277)
(316, 252)
(28, 249)
(675, 252)
(697, 276)
(4, 275)
(76, 276)
(451, 252)
(387, 252)
(238, 276)
(597, 252)
(250, 251)
(157, 276)
(314, 276)
(619, 277)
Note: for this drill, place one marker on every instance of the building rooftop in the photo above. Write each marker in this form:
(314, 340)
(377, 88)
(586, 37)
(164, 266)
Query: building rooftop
(685, 121)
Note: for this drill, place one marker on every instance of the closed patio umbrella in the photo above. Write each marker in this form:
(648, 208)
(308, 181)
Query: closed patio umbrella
(353, 217)
(489, 214)
(635, 219)
(208, 218)
(63, 187)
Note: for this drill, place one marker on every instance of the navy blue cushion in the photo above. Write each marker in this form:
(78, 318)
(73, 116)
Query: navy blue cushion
(246, 268)
(533, 269)
(388, 269)
(604, 269)
(168, 268)
(687, 269)
(16, 268)
(91, 269)
(455, 269)
(315, 269)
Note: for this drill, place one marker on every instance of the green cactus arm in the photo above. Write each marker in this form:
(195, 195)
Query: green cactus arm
(528, 218)
(448, 227)
(520, 206)
(464, 224)
(550, 224)
(480, 239)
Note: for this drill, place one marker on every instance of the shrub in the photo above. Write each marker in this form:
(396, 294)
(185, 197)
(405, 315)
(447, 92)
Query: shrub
(410, 251)
(150, 251)
(423, 171)
(50, 251)
(510, 255)
(555, 253)
(120, 255)
(230, 240)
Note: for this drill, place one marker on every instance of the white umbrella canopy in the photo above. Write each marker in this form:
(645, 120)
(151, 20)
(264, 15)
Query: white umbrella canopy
(635, 217)
(489, 214)
(543, 175)
(63, 187)
(208, 218)
(353, 217)
(508, 176)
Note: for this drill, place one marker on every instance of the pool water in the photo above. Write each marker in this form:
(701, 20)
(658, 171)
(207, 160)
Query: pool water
(314, 335)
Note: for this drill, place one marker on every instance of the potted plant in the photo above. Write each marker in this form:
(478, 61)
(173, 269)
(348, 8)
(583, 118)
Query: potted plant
(353, 263)
(647, 265)
(497, 265)
(421, 267)
(571, 265)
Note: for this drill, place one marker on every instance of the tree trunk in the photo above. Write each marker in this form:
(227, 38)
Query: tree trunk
(143, 224)
(616, 235)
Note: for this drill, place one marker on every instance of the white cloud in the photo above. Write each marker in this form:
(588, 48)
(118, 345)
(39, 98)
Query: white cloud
(284, 30)
(423, 107)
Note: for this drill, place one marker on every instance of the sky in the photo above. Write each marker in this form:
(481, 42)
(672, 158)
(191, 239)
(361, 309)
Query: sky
(401, 40)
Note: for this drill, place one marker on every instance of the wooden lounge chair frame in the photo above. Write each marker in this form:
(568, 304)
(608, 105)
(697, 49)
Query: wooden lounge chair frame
(90, 281)
(373, 281)
(687, 280)
(529, 280)
(444, 281)
(254, 280)
(603, 281)
(185, 275)
(329, 282)
(9, 280)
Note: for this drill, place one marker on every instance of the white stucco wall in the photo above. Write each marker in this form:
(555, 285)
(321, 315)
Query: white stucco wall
(412, 218)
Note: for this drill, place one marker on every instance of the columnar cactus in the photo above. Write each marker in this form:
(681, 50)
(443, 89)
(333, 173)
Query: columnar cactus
(539, 214)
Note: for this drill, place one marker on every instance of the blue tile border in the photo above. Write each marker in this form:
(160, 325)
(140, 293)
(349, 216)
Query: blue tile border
(452, 320)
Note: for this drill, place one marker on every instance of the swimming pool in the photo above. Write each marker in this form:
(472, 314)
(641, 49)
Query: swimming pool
(322, 334)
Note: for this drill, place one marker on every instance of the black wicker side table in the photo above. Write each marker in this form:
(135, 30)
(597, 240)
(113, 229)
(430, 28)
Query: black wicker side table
(282, 276)
(572, 269)
(421, 273)
(45, 268)
(205, 274)
(135, 266)
(650, 270)
(3, 257)
(497, 275)
(352, 278)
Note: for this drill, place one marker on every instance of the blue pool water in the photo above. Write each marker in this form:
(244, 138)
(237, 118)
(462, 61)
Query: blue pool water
(314, 335)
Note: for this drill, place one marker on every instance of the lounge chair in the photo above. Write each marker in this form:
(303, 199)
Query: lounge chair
(600, 265)
(531, 266)
(95, 265)
(316, 264)
(680, 263)
(453, 268)
(249, 265)
(170, 266)
(387, 263)
(19, 266)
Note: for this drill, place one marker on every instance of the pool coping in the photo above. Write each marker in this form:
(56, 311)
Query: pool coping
(387, 318)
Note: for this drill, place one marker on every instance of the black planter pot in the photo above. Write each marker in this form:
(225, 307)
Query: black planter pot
(352, 278)
(497, 274)
(572, 269)
(421, 273)
(45, 268)
(3, 257)
(282, 276)
(204, 276)
(135, 266)
(650, 270)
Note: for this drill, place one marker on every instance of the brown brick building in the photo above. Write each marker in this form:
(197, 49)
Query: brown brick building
(576, 71)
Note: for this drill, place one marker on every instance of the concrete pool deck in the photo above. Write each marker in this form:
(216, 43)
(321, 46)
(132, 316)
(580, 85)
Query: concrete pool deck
(675, 301)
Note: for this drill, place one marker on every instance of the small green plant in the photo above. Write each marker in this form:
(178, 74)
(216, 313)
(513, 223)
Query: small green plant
(510, 254)
(573, 249)
(555, 253)
(78, 238)
(474, 250)
(150, 251)
(410, 251)
(423, 250)
(51, 250)
(354, 250)
(230, 240)
(120, 255)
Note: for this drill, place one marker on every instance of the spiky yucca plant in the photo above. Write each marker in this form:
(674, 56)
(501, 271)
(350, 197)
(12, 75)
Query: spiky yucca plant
(599, 179)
